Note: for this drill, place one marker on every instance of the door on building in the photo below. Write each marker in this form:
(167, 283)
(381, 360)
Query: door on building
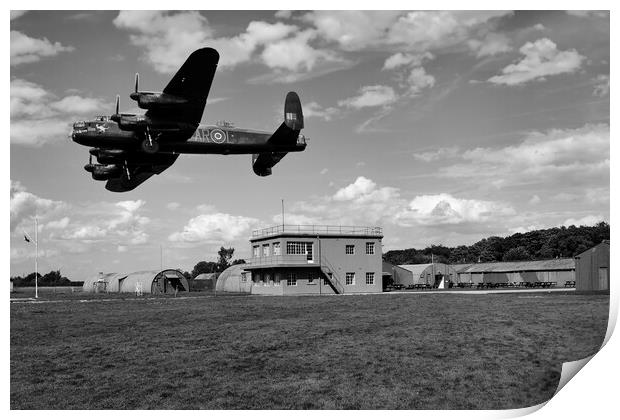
(603, 277)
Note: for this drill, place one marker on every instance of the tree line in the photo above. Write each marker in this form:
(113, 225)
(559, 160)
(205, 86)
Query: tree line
(559, 242)
(51, 279)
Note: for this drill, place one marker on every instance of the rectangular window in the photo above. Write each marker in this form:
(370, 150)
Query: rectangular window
(244, 277)
(350, 278)
(299, 248)
(266, 250)
(370, 248)
(370, 278)
(256, 251)
(276, 248)
(291, 279)
(349, 249)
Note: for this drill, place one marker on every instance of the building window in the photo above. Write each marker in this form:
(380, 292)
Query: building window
(266, 250)
(299, 248)
(244, 277)
(349, 249)
(370, 278)
(276, 248)
(350, 278)
(370, 248)
(256, 251)
(291, 279)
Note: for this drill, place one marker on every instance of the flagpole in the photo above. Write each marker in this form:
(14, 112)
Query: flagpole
(36, 258)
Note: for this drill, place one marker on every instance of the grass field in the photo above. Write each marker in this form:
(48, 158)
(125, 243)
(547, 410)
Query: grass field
(408, 351)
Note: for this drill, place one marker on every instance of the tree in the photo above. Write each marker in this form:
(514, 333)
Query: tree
(225, 255)
(517, 254)
(239, 261)
(204, 267)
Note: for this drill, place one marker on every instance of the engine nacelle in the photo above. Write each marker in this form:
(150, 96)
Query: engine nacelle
(103, 172)
(108, 156)
(150, 100)
(132, 122)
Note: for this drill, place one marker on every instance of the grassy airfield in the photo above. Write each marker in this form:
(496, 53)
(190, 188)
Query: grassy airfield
(406, 351)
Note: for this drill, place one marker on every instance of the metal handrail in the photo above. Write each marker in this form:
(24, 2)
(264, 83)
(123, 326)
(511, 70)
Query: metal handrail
(318, 230)
(279, 259)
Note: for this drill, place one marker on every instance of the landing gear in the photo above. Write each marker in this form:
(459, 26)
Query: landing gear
(148, 144)
(126, 168)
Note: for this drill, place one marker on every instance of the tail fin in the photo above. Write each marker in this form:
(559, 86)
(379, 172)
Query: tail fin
(293, 115)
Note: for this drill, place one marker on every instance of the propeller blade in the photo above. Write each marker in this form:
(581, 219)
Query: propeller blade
(137, 81)
(118, 102)
(90, 159)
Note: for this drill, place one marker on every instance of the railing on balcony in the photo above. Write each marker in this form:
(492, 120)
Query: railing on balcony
(280, 260)
(318, 230)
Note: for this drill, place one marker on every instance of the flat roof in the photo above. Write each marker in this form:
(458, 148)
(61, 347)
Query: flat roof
(317, 230)
(516, 266)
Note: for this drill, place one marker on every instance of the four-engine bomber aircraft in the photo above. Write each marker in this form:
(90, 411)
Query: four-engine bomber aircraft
(131, 148)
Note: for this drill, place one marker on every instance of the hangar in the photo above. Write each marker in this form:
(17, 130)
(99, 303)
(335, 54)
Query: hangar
(436, 275)
(203, 282)
(234, 279)
(156, 282)
(592, 268)
(560, 271)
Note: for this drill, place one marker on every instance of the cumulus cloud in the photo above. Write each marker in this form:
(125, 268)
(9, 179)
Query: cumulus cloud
(25, 205)
(39, 117)
(446, 209)
(214, 228)
(25, 49)
(371, 96)
(418, 79)
(541, 59)
(589, 220)
(169, 37)
(15, 14)
(491, 44)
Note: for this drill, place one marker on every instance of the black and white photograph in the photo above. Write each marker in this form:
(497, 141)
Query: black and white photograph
(308, 209)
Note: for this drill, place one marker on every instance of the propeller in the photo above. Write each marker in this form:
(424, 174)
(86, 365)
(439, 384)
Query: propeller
(137, 81)
(116, 116)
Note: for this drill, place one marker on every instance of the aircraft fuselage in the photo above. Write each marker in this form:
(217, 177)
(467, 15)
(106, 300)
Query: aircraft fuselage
(206, 139)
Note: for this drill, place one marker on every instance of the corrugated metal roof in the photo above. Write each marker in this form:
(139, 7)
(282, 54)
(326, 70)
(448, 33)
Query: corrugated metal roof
(516, 266)
(206, 276)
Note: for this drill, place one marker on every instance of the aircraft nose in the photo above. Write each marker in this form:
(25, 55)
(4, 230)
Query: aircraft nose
(78, 128)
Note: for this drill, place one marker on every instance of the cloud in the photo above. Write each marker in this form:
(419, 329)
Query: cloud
(439, 154)
(542, 59)
(425, 30)
(350, 29)
(491, 44)
(403, 59)
(534, 200)
(26, 205)
(25, 49)
(314, 110)
(589, 13)
(589, 220)
(575, 156)
(58, 224)
(173, 205)
(295, 54)
(441, 209)
(214, 228)
(324, 171)
(371, 96)
(418, 80)
(39, 117)
(364, 190)
(601, 87)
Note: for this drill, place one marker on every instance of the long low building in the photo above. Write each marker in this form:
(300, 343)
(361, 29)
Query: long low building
(592, 269)
(559, 270)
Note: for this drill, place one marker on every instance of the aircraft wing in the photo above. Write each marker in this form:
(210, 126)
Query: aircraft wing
(192, 82)
(141, 167)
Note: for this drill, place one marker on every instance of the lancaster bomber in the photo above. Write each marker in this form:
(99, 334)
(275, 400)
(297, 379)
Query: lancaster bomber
(131, 148)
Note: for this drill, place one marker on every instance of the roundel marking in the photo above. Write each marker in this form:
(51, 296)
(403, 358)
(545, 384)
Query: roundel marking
(218, 136)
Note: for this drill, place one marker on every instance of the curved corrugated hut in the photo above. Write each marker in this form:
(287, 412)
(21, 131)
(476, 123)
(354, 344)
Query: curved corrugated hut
(234, 279)
(156, 282)
(436, 275)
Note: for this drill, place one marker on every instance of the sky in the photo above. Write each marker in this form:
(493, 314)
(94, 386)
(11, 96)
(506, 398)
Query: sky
(441, 127)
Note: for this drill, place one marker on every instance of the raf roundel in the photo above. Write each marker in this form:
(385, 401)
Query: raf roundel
(218, 136)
